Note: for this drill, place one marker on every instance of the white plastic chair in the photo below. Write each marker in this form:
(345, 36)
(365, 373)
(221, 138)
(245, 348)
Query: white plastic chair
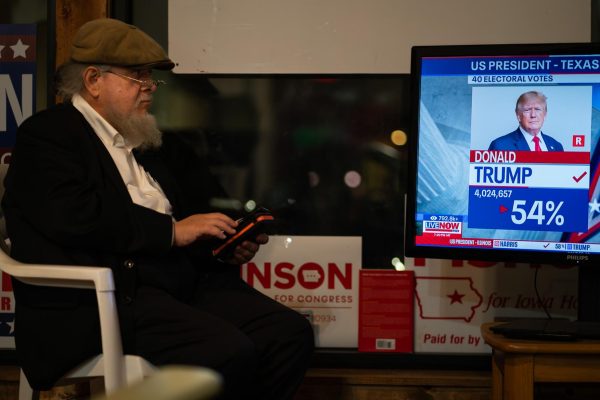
(172, 383)
(118, 370)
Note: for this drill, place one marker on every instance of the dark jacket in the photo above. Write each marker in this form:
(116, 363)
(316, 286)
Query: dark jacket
(65, 203)
(516, 142)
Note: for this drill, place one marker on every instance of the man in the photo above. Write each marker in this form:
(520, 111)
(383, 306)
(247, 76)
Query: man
(531, 111)
(90, 184)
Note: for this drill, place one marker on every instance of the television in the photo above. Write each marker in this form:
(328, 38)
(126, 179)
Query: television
(477, 186)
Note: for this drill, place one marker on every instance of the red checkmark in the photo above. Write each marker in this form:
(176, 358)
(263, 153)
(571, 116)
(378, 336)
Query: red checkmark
(577, 179)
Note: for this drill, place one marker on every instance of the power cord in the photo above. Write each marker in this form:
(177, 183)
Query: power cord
(537, 293)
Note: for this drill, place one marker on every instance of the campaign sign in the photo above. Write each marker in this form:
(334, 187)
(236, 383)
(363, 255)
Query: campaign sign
(453, 298)
(17, 99)
(318, 277)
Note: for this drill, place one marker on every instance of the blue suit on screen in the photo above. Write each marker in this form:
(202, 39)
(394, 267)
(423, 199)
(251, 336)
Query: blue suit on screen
(516, 142)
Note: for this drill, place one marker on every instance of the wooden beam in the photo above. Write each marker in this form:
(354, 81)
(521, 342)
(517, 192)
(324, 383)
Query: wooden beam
(70, 15)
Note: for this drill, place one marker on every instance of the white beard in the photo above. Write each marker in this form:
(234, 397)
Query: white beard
(140, 131)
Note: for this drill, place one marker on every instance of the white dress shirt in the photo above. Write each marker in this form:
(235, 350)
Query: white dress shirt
(529, 137)
(143, 189)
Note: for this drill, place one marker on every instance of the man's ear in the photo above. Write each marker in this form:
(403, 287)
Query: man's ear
(91, 77)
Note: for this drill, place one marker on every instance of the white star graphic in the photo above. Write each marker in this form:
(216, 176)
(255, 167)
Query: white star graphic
(595, 206)
(1, 47)
(19, 49)
(12, 326)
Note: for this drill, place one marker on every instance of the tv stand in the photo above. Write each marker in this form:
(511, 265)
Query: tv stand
(517, 365)
(562, 330)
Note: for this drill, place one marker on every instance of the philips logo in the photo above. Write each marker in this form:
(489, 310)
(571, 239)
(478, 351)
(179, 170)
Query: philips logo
(577, 257)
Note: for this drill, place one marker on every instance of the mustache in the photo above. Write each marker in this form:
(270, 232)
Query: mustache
(143, 98)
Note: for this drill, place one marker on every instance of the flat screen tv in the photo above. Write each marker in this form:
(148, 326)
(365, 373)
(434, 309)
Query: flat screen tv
(479, 186)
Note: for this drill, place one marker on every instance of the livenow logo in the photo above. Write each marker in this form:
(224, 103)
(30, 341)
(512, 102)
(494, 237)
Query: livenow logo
(442, 226)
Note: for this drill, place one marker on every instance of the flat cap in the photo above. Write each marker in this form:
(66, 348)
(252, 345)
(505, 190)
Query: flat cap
(113, 42)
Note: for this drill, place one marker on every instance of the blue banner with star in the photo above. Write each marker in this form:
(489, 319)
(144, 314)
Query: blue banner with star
(17, 103)
(17, 81)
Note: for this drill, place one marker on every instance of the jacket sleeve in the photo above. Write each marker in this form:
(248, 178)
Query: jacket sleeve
(62, 182)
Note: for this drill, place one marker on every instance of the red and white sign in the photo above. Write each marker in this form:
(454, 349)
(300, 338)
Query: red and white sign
(318, 277)
(17, 101)
(454, 297)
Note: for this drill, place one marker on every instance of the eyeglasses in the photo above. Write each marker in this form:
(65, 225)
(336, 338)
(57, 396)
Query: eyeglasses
(145, 83)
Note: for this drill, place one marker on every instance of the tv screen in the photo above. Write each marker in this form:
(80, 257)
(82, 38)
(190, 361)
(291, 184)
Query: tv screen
(504, 153)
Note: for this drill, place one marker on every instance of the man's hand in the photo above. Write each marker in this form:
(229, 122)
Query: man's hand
(203, 226)
(246, 250)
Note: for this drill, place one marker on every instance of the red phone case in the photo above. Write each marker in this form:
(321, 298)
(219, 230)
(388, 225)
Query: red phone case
(250, 225)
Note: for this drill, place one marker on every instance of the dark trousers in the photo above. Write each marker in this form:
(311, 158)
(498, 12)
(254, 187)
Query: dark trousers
(261, 348)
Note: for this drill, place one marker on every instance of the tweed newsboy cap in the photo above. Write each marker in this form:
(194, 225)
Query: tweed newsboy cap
(113, 42)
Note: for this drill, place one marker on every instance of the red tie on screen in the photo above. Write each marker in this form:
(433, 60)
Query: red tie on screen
(536, 140)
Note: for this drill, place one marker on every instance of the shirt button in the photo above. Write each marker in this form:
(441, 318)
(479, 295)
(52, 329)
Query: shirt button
(127, 299)
(129, 264)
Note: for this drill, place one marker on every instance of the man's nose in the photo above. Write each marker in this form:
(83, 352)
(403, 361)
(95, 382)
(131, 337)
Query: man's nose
(149, 88)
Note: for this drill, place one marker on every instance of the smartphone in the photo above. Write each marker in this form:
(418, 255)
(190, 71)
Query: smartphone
(249, 226)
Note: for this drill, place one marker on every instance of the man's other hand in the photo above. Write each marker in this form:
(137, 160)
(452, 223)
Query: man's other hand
(246, 250)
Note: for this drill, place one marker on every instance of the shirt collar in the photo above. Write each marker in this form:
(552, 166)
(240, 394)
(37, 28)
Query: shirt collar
(528, 135)
(105, 131)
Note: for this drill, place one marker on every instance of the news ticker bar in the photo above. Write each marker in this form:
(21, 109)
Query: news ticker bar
(512, 79)
(502, 244)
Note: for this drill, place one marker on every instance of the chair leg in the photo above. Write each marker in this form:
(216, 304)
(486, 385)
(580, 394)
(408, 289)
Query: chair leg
(97, 387)
(25, 391)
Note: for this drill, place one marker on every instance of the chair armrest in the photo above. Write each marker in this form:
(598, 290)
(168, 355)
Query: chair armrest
(99, 279)
(72, 276)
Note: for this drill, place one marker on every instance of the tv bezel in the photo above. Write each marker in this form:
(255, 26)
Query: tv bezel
(411, 249)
